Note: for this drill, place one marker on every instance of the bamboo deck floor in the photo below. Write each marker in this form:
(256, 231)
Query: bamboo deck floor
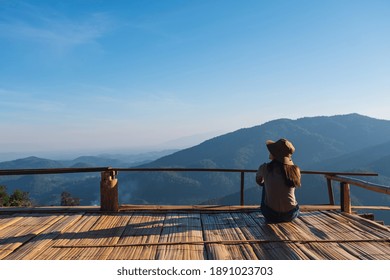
(187, 233)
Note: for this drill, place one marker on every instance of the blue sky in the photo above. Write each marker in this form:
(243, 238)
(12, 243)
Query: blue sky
(137, 74)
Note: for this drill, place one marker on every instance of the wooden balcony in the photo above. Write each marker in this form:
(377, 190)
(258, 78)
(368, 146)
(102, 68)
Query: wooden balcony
(158, 232)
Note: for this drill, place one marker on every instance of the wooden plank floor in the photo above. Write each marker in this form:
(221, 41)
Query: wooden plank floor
(189, 233)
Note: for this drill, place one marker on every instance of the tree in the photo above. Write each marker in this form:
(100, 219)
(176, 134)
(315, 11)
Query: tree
(17, 198)
(68, 200)
(4, 197)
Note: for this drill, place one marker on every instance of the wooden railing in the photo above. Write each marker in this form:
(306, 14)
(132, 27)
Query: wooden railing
(345, 193)
(109, 200)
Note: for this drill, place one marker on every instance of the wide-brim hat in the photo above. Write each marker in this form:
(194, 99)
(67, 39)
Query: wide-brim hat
(282, 150)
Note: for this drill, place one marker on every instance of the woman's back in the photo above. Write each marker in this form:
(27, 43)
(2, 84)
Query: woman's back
(280, 196)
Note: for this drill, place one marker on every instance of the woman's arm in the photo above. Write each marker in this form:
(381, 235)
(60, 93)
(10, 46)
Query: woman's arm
(260, 177)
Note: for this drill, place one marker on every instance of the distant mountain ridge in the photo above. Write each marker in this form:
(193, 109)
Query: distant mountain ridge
(372, 158)
(114, 160)
(316, 139)
(31, 162)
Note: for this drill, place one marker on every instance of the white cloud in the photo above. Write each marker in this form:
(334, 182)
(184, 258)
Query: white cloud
(50, 29)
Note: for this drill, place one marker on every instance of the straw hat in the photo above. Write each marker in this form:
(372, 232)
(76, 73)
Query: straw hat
(282, 150)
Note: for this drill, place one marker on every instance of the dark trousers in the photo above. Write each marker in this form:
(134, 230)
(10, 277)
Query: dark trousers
(272, 216)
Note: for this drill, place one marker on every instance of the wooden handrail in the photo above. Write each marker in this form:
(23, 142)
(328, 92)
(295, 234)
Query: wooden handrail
(345, 195)
(361, 183)
(179, 169)
(109, 186)
(42, 171)
(6, 172)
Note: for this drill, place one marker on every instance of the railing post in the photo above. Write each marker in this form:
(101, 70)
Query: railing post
(242, 188)
(330, 191)
(109, 191)
(345, 197)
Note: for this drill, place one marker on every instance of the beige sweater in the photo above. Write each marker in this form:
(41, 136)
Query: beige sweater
(279, 196)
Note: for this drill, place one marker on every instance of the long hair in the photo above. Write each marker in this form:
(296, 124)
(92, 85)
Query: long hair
(292, 172)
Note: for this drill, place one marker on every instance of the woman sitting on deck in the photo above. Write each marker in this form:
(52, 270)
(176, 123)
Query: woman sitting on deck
(279, 177)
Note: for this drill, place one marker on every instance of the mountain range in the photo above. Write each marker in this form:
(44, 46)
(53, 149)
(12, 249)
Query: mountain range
(349, 142)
